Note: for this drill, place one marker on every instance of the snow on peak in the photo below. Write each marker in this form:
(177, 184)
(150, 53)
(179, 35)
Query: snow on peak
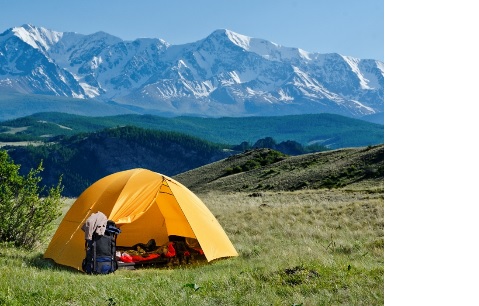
(37, 37)
(103, 37)
(144, 41)
(266, 49)
(366, 80)
(238, 39)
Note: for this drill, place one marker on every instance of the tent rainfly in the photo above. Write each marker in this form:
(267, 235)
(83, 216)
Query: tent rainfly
(145, 205)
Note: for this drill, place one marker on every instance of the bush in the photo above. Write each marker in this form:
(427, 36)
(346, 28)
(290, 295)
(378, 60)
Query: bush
(25, 216)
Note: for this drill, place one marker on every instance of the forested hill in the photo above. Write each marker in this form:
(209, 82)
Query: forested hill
(332, 131)
(84, 158)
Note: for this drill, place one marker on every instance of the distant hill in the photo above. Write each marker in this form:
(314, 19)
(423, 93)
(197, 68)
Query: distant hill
(15, 105)
(329, 130)
(374, 118)
(264, 169)
(84, 158)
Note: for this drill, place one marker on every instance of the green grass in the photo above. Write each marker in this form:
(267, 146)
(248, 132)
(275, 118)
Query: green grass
(323, 247)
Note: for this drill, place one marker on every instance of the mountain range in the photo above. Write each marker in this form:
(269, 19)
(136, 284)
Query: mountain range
(225, 74)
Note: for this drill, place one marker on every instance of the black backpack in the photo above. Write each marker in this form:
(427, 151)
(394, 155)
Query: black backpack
(101, 251)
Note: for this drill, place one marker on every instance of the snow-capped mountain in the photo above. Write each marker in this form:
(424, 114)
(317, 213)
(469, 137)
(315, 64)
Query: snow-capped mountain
(224, 74)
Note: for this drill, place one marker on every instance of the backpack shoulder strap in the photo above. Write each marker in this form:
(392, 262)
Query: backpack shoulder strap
(93, 245)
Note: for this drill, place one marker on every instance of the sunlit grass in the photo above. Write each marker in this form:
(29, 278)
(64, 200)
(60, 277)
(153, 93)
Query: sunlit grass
(296, 248)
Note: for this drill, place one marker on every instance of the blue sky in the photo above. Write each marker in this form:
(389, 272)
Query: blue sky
(349, 27)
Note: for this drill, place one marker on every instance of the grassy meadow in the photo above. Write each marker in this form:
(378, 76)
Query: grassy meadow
(310, 247)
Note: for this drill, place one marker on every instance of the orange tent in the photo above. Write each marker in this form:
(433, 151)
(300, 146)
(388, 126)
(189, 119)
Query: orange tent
(145, 205)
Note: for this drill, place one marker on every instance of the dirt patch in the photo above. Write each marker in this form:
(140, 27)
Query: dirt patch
(14, 130)
(21, 143)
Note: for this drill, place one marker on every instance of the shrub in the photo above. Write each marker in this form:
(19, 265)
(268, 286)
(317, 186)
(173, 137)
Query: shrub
(26, 217)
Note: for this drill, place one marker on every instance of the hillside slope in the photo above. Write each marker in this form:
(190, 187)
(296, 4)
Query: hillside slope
(331, 169)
